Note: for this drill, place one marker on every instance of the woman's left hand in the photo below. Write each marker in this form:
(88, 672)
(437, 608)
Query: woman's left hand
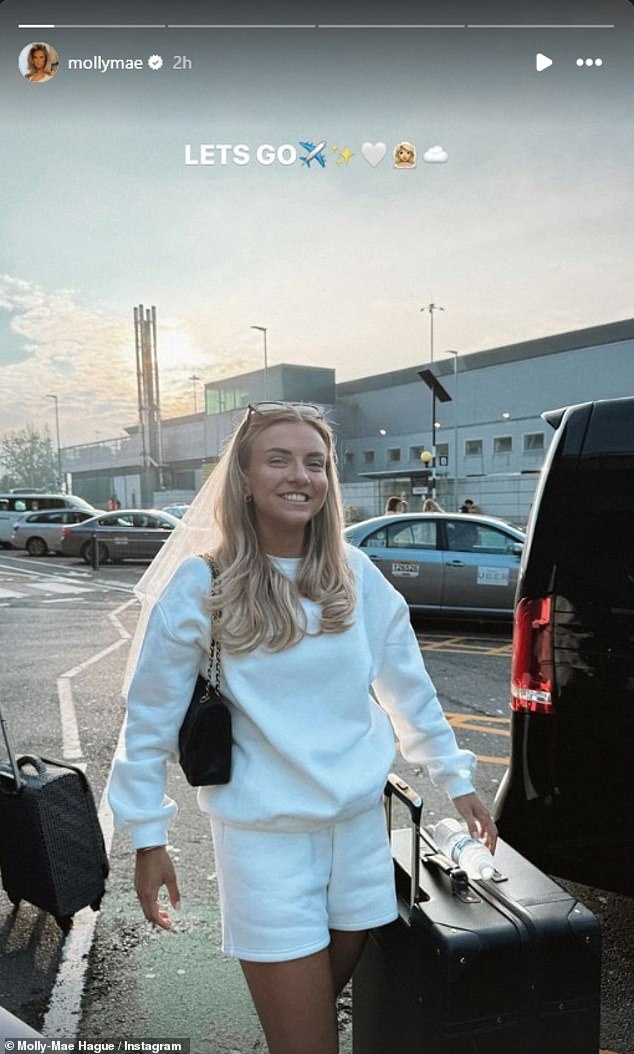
(478, 819)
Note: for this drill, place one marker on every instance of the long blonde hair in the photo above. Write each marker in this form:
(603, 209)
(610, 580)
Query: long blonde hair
(258, 604)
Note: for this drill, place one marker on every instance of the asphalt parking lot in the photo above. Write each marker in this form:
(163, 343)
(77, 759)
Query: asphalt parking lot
(114, 976)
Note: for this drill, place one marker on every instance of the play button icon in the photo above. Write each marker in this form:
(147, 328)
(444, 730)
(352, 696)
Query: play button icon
(542, 62)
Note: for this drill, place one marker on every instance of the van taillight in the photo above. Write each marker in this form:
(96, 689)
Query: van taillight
(64, 532)
(532, 663)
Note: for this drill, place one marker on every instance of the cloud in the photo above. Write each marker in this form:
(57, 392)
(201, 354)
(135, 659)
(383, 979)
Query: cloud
(72, 352)
(85, 355)
(436, 155)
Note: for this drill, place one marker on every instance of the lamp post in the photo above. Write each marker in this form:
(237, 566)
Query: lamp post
(59, 448)
(437, 392)
(431, 308)
(455, 354)
(262, 330)
(194, 378)
(427, 459)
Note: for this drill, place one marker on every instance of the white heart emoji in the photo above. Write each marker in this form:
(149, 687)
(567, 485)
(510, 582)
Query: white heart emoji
(374, 153)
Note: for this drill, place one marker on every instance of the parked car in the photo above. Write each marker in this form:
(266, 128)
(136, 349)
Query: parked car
(15, 503)
(127, 534)
(41, 532)
(566, 799)
(445, 564)
(176, 510)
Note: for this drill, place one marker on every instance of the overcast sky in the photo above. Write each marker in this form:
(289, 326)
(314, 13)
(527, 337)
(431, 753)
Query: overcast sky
(525, 231)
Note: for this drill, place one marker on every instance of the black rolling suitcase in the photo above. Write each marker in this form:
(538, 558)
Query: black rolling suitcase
(507, 966)
(52, 851)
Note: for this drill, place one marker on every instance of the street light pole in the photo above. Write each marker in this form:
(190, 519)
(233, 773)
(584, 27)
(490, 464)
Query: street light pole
(433, 442)
(455, 424)
(431, 308)
(262, 330)
(194, 378)
(437, 392)
(59, 448)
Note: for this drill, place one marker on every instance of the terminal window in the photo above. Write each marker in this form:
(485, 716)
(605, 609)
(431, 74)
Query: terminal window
(502, 445)
(473, 448)
(533, 441)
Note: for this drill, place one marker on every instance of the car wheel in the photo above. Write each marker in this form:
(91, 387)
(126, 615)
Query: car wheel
(36, 547)
(86, 553)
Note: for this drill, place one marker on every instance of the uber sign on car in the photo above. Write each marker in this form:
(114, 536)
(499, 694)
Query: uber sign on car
(405, 570)
(493, 576)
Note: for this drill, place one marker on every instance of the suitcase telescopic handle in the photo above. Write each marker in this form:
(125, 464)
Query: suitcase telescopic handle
(11, 753)
(398, 788)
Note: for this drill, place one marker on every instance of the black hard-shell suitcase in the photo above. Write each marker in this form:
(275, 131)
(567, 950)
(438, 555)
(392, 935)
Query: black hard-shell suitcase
(506, 966)
(52, 851)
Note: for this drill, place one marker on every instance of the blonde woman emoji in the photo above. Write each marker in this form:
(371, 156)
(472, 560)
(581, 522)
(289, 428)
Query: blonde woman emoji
(405, 155)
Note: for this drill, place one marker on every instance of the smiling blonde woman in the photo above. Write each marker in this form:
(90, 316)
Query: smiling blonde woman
(39, 64)
(312, 636)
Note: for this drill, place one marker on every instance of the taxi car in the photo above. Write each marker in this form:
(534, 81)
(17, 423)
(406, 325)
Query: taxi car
(451, 565)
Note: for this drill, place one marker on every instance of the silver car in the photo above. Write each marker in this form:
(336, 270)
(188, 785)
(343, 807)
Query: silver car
(41, 532)
(176, 510)
(445, 564)
(127, 534)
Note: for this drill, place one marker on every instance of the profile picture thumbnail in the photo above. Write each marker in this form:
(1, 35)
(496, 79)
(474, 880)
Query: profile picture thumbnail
(38, 62)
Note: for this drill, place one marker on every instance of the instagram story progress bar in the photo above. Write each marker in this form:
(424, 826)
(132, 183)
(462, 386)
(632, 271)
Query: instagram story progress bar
(312, 25)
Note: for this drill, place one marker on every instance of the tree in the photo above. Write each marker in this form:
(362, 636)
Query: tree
(27, 458)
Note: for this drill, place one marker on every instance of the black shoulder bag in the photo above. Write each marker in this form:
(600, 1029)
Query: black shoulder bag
(204, 740)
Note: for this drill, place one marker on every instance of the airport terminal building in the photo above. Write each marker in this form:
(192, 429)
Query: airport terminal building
(475, 419)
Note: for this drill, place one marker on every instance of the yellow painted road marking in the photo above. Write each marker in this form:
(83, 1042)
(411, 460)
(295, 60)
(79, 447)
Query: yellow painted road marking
(469, 727)
(488, 725)
(465, 645)
(479, 723)
(439, 642)
(491, 718)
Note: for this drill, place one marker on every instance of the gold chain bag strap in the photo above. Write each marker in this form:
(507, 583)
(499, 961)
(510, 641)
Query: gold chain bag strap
(204, 740)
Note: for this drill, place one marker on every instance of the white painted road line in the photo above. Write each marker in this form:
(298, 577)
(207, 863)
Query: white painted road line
(116, 622)
(94, 658)
(17, 570)
(65, 600)
(68, 576)
(55, 586)
(64, 1009)
(10, 593)
(71, 747)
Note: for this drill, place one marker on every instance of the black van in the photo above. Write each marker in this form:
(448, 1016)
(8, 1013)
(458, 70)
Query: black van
(567, 798)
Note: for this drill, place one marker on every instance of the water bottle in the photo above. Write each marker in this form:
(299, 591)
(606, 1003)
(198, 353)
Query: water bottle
(468, 853)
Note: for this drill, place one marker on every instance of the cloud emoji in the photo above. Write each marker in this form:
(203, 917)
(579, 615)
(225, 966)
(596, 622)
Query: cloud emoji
(436, 155)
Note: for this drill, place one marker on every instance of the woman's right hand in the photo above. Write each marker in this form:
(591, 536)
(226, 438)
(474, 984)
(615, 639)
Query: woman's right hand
(154, 869)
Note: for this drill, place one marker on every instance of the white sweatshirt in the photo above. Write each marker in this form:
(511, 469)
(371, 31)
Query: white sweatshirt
(311, 744)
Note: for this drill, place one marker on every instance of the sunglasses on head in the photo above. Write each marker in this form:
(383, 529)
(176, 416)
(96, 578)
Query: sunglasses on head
(309, 410)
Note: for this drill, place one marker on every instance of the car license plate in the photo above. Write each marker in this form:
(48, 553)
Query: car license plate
(493, 576)
(400, 570)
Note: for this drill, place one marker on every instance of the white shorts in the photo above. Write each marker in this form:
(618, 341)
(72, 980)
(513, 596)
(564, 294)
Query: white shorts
(281, 893)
